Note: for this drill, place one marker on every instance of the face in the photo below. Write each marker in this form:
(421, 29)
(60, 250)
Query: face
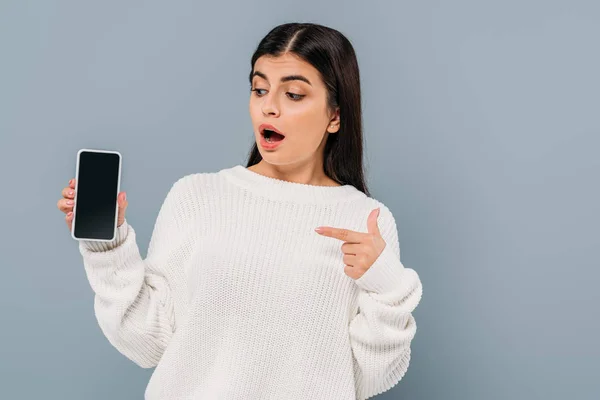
(295, 107)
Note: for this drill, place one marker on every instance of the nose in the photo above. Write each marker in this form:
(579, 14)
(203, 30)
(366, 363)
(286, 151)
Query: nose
(269, 107)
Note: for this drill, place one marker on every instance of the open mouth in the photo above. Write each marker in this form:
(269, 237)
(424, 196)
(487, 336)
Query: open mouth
(271, 136)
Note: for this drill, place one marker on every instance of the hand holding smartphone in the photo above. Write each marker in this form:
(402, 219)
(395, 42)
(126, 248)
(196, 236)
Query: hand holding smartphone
(97, 206)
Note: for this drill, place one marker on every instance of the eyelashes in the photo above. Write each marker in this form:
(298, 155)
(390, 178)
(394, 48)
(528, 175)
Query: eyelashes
(294, 96)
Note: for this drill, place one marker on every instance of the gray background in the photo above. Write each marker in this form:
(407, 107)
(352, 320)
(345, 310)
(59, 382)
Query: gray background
(481, 123)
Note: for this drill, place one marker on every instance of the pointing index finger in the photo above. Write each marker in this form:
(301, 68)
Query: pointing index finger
(341, 233)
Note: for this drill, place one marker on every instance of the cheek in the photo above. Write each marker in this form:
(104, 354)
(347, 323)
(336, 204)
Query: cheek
(310, 115)
(252, 107)
(255, 113)
(314, 123)
(307, 124)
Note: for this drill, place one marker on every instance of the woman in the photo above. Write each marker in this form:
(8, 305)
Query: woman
(239, 297)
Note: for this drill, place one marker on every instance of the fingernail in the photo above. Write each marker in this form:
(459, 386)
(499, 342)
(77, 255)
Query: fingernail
(69, 213)
(319, 230)
(70, 202)
(71, 181)
(71, 193)
(378, 211)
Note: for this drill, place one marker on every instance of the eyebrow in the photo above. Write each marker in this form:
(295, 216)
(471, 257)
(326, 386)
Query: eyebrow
(285, 78)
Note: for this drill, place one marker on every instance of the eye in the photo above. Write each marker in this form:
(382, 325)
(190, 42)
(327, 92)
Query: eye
(298, 96)
(292, 96)
(256, 90)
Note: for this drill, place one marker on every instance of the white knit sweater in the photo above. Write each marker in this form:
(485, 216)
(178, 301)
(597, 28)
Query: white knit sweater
(239, 298)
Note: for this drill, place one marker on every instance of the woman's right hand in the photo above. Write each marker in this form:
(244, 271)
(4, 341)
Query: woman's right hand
(68, 201)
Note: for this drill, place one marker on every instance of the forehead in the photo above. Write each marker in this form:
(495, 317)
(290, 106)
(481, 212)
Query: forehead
(287, 64)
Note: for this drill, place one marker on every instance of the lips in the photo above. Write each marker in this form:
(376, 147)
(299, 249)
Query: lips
(263, 127)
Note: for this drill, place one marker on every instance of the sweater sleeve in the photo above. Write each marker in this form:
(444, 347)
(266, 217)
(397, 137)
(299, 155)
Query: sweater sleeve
(382, 330)
(133, 301)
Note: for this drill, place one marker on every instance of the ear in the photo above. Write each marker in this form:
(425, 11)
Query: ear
(334, 123)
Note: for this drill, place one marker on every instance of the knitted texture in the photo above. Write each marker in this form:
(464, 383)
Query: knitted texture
(239, 298)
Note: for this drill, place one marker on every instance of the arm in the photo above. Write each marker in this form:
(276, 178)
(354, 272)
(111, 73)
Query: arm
(133, 300)
(382, 331)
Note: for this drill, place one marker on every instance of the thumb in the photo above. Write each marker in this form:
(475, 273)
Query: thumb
(122, 201)
(372, 222)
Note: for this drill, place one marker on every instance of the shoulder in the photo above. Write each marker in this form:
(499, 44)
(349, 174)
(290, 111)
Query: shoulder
(188, 197)
(195, 183)
(190, 188)
(368, 204)
(199, 188)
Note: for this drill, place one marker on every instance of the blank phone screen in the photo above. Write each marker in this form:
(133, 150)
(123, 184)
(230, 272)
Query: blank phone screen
(96, 195)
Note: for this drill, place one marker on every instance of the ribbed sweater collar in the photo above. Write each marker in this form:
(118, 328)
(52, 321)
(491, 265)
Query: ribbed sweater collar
(285, 190)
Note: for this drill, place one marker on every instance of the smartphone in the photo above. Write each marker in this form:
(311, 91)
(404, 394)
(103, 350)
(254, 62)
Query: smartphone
(98, 181)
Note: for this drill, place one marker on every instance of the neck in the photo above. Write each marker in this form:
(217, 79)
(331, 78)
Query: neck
(276, 189)
(308, 174)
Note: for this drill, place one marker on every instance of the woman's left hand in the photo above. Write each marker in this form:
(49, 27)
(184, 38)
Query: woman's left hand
(360, 249)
